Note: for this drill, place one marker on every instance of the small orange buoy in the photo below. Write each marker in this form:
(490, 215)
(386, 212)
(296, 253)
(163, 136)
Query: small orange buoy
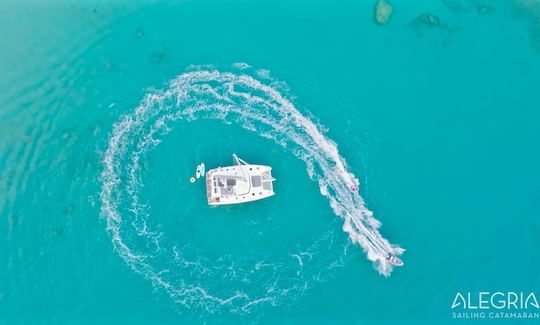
(192, 179)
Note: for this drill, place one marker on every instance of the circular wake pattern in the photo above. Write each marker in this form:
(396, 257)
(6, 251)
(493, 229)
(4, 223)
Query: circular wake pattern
(189, 278)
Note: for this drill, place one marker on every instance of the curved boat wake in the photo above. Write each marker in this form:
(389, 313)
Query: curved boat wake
(254, 105)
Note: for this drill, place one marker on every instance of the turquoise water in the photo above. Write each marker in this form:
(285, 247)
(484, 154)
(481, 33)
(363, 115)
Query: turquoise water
(105, 109)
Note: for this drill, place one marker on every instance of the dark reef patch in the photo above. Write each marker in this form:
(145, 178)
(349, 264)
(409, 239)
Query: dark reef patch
(426, 23)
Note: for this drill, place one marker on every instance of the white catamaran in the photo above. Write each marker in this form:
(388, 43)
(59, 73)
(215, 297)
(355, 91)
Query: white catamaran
(239, 183)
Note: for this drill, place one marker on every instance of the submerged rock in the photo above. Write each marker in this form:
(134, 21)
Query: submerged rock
(422, 22)
(427, 21)
(433, 28)
(383, 11)
(430, 20)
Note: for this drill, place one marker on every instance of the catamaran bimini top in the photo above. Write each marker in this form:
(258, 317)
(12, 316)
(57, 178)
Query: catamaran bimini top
(239, 183)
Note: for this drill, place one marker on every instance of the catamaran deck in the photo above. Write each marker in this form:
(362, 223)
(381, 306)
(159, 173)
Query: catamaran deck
(240, 183)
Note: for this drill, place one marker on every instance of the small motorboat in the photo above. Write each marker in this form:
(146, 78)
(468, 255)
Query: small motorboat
(199, 172)
(394, 260)
(203, 169)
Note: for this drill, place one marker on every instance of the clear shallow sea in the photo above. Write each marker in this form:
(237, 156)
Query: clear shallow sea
(439, 123)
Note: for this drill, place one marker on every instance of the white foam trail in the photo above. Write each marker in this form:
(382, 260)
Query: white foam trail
(241, 65)
(240, 99)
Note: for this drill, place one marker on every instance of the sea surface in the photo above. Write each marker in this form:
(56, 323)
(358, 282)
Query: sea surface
(106, 107)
